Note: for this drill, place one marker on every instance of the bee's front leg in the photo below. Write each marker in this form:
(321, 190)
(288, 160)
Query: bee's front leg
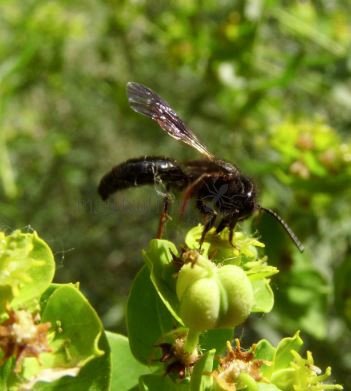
(210, 214)
(230, 222)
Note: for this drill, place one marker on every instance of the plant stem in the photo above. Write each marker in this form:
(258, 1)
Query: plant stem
(191, 341)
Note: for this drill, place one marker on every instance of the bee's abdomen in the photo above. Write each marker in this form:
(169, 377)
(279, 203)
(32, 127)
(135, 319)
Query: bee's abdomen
(142, 171)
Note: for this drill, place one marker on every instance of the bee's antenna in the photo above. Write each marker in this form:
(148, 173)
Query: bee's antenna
(289, 231)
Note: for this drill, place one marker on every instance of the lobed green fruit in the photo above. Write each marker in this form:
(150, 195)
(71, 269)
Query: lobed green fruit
(212, 296)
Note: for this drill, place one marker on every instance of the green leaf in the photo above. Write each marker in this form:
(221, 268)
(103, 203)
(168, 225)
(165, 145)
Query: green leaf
(263, 296)
(159, 259)
(94, 376)
(26, 268)
(259, 271)
(265, 351)
(7, 376)
(161, 383)
(216, 339)
(80, 357)
(76, 333)
(246, 382)
(147, 318)
(51, 289)
(126, 370)
(201, 378)
(284, 378)
(77, 328)
(283, 356)
(267, 387)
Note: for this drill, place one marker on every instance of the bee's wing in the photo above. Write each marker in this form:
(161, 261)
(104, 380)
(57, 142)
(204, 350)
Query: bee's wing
(145, 101)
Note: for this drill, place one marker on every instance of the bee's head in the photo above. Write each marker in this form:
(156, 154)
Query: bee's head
(248, 197)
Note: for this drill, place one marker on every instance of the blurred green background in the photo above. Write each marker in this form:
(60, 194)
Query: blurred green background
(264, 84)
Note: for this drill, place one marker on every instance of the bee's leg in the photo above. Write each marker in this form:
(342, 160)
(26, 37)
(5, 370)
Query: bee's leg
(230, 222)
(222, 224)
(164, 216)
(211, 215)
(231, 231)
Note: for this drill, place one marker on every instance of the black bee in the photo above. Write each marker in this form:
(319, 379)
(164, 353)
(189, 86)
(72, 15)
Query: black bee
(218, 187)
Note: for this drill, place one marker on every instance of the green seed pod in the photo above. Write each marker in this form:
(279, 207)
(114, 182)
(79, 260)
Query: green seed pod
(213, 297)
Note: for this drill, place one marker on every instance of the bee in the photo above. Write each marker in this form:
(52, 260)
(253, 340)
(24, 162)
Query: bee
(221, 192)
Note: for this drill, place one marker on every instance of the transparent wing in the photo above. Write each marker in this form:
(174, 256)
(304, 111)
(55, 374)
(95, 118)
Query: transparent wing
(145, 101)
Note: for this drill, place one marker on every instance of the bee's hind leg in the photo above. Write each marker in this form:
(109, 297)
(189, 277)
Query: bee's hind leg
(164, 216)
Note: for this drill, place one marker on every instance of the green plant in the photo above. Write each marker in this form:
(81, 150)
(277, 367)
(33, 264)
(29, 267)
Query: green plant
(183, 307)
(181, 311)
(50, 335)
(249, 77)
